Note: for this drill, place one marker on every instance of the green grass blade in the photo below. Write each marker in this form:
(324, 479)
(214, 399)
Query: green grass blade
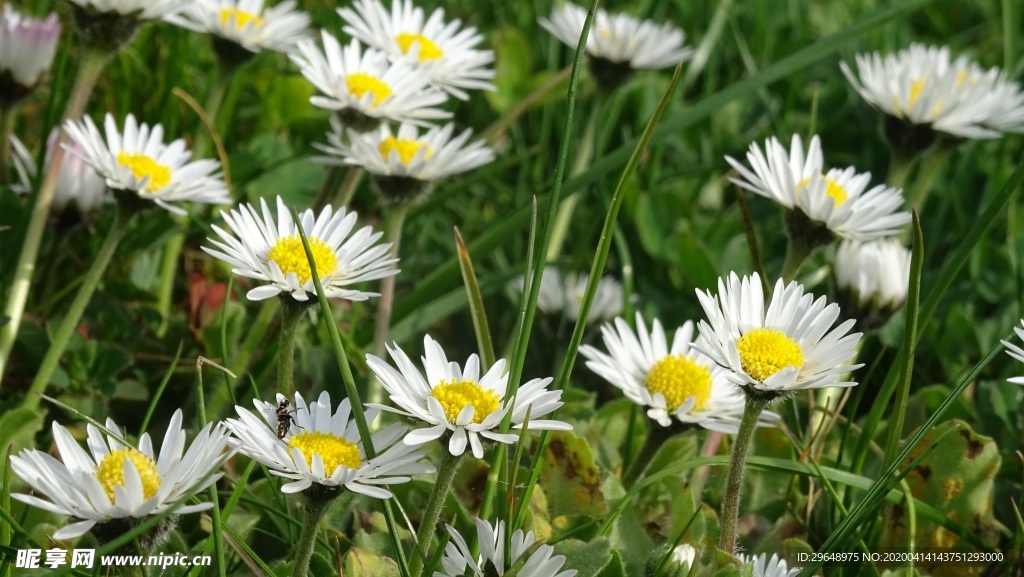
(160, 389)
(476, 303)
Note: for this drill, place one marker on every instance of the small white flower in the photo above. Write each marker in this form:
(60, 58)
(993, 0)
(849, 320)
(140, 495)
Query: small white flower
(444, 51)
(1016, 352)
(788, 347)
(677, 382)
(565, 295)
(138, 161)
(247, 22)
(921, 85)
(116, 481)
(765, 567)
(323, 446)
(836, 199)
(682, 557)
(493, 560)
(877, 273)
(265, 250)
(27, 45)
(620, 38)
(426, 157)
(459, 401)
(141, 9)
(366, 82)
(77, 182)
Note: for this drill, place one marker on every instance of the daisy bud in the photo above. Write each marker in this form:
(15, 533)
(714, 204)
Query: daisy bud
(27, 47)
(872, 279)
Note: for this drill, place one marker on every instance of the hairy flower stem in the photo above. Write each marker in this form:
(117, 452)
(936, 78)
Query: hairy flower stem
(656, 437)
(392, 234)
(442, 487)
(316, 508)
(71, 319)
(291, 316)
(796, 254)
(89, 70)
(737, 466)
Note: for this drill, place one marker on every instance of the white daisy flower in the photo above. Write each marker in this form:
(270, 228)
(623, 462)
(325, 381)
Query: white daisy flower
(265, 250)
(620, 38)
(138, 161)
(493, 560)
(365, 83)
(459, 402)
(322, 446)
(444, 51)
(27, 48)
(921, 85)
(117, 481)
(565, 295)
(765, 567)
(1016, 352)
(682, 558)
(677, 382)
(139, 9)
(873, 278)
(836, 199)
(77, 182)
(789, 347)
(247, 23)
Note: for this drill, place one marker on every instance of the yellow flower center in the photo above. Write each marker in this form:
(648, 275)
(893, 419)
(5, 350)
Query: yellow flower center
(915, 91)
(110, 472)
(832, 188)
(334, 450)
(764, 352)
(288, 253)
(242, 18)
(360, 83)
(406, 148)
(678, 378)
(428, 50)
(457, 395)
(143, 166)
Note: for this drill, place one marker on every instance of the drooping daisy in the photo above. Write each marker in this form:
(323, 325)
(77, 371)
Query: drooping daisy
(788, 347)
(872, 278)
(494, 560)
(406, 162)
(565, 294)
(835, 200)
(444, 51)
(114, 482)
(677, 382)
(459, 402)
(1016, 352)
(618, 43)
(138, 161)
(768, 567)
(247, 23)
(27, 48)
(265, 250)
(140, 9)
(77, 182)
(322, 446)
(365, 87)
(922, 86)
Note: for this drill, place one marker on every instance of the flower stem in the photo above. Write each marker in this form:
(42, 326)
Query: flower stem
(7, 116)
(796, 253)
(74, 315)
(91, 66)
(316, 508)
(900, 165)
(656, 437)
(348, 186)
(392, 234)
(442, 487)
(737, 465)
(568, 205)
(291, 314)
(931, 168)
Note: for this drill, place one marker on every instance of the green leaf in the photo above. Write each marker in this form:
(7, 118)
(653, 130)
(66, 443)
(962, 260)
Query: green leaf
(588, 559)
(18, 427)
(362, 562)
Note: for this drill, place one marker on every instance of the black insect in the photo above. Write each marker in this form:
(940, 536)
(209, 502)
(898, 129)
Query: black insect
(284, 419)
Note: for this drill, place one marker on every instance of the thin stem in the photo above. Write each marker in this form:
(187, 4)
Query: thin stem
(900, 165)
(568, 205)
(931, 168)
(796, 254)
(291, 315)
(348, 186)
(737, 466)
(89, 71)
(442, 487)
(316, 508)
(393, 234)
(7, 116)
(69, 323)
(656, 437)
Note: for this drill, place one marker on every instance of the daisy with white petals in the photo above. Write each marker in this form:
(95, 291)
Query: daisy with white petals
(364, 83)
(139, 9)
(923, 86)
(114, 481)
(443, 51)
(457, 402)
(564, 295)
(836, 199)
(138, 161)
(247, 22)
(323, 446)
(494, 560)
(267, 250)
(790, 346)
(77, 182)
(673, 383)
(768, 567)
(27, 48)
(872, 278)
(1016, 352)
